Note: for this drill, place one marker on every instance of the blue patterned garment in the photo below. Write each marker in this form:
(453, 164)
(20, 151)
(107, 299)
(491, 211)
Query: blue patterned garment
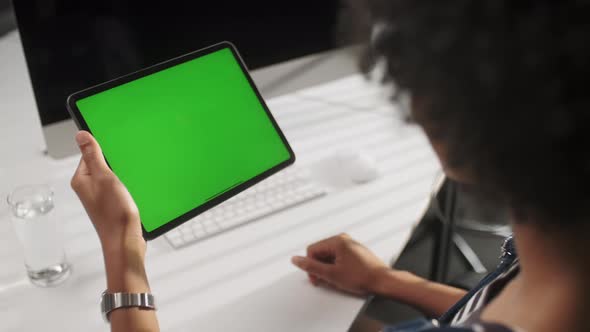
(464, 316)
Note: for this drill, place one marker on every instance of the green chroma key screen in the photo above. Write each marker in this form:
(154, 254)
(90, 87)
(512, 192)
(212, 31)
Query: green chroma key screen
(181, 136)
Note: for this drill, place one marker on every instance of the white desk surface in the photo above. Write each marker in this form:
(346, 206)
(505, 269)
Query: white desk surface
(241, 280)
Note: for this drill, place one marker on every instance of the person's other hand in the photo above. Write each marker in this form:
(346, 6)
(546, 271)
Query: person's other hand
(343, 263)
(106, 200)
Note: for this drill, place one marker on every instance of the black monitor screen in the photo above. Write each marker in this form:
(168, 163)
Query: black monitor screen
(71, 44)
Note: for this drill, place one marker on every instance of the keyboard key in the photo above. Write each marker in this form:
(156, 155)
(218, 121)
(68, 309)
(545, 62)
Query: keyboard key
(277, 193)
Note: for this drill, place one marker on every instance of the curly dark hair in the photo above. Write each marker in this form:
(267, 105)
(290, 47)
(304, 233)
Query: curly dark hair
(502, 84)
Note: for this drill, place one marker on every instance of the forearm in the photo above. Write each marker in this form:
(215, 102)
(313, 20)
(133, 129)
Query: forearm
(126, 273)
(432, 298)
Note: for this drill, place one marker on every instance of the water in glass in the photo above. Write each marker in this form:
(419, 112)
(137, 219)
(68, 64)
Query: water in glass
(40, 236)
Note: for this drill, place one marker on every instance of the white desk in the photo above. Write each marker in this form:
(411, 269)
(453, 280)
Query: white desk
(241, 280)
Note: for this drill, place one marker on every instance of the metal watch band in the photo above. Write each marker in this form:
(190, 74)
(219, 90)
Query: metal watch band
(113, 301)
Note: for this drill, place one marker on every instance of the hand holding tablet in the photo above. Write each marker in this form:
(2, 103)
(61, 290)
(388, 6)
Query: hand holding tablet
(183, 135)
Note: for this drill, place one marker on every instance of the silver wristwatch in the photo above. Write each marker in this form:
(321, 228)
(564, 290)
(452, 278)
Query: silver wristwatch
(112, 301)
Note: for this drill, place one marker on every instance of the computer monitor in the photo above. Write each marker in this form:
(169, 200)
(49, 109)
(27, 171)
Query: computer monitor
(70, 44)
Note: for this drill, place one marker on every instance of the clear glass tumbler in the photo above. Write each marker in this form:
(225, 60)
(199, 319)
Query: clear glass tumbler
(39, 233)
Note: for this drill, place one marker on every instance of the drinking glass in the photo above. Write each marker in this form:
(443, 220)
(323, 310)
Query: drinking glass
(39, 234)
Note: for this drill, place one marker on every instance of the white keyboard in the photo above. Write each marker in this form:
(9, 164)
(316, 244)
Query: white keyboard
(281, 191)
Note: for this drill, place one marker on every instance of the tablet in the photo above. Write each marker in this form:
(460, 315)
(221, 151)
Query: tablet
(183, 135)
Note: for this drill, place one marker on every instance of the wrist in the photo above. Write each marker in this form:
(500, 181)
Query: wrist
(125, 269)
(378, 281)
(126, 233)
(394, 284)
(123, 249)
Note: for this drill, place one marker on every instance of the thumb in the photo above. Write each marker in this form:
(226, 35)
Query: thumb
(91, 153)
(313, 266)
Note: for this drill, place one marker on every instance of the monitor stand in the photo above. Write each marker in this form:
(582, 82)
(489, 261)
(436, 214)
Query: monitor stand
(272, 81)
(59, 139)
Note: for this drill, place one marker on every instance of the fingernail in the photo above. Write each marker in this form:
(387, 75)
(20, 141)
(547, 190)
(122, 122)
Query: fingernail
(81, 138)
(297, 260)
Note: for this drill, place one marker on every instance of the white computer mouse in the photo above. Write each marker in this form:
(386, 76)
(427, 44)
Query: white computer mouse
(357, 166)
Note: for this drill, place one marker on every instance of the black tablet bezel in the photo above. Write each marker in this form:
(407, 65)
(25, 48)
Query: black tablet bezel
(224, 195)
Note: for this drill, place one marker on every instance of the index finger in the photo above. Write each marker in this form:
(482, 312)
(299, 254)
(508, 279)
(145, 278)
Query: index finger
(79, 179)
